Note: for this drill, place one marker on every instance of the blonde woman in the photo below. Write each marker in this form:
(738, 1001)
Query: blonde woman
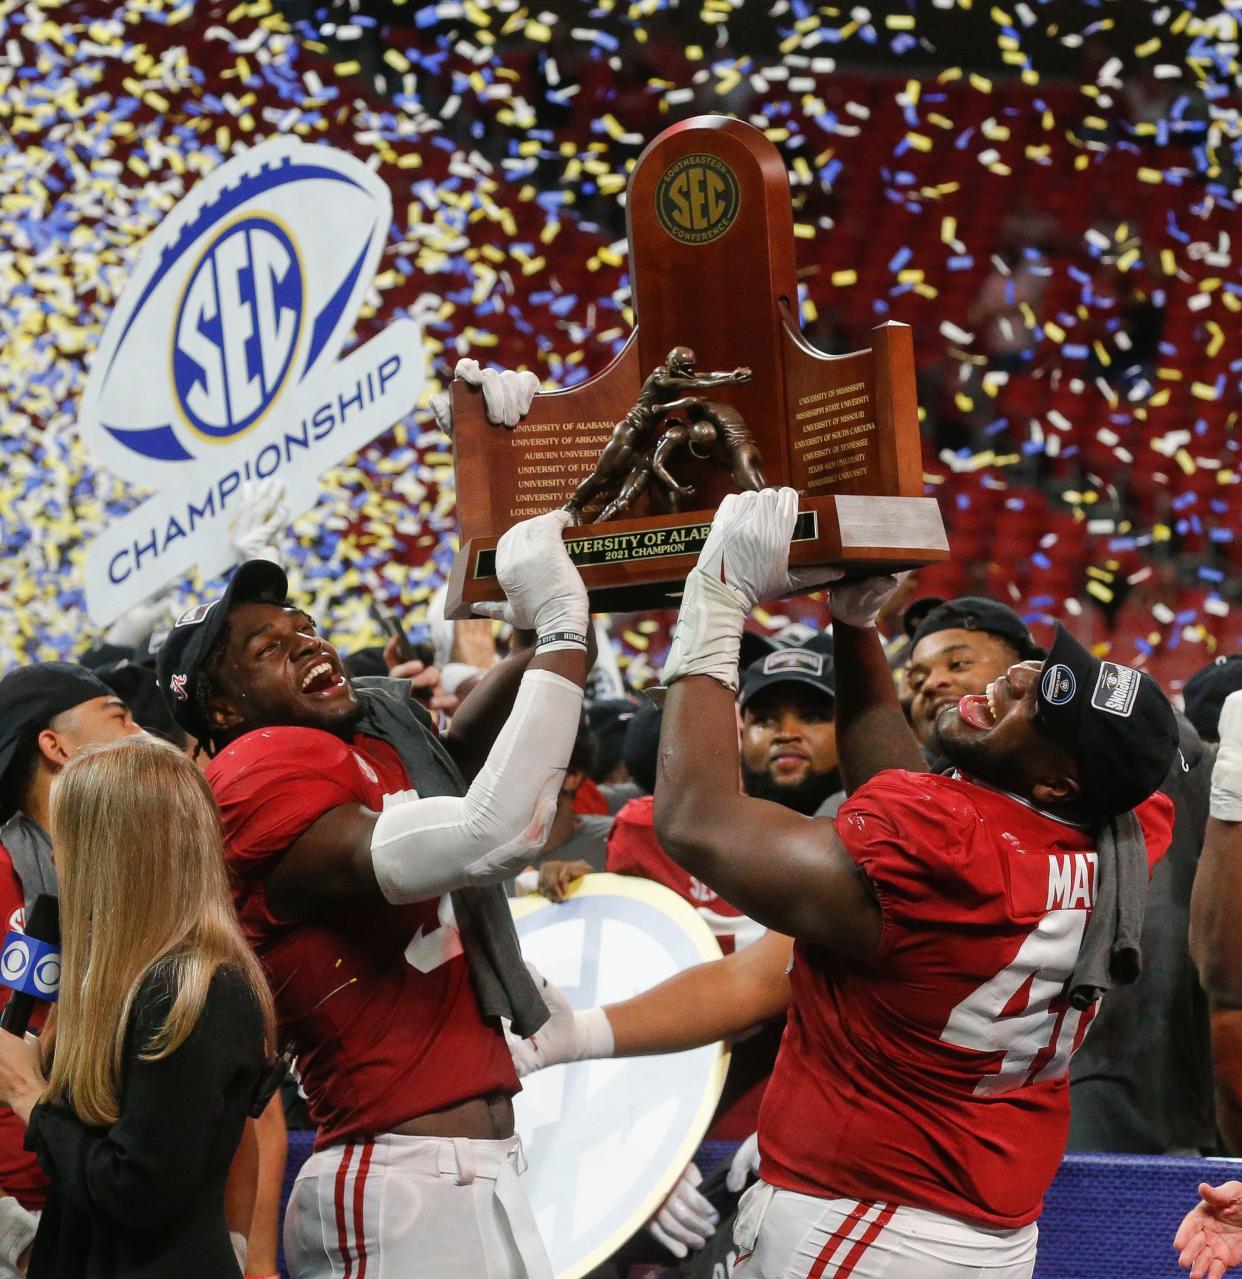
(162, 1030)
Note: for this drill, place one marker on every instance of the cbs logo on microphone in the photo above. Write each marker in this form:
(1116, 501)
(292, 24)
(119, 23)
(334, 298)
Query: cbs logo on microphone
(30, 966)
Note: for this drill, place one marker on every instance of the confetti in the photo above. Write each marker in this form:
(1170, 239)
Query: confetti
(1061, 250)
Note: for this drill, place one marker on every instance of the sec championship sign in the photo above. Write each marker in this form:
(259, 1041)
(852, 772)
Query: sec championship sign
(219, 364)
(607, 1140)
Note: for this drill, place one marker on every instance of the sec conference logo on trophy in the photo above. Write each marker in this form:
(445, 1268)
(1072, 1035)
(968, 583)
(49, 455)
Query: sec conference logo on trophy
(219, 363)
(697, 199)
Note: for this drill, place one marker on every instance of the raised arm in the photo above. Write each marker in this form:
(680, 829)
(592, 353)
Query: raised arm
(419, 848)
(1215, 939)
(716, 1000)
(872, 733)
(787, 871)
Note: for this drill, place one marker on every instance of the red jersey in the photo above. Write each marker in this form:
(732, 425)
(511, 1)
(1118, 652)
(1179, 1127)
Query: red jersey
(634, 850)
(376, 998)
(20, 1173)
(934, 1074)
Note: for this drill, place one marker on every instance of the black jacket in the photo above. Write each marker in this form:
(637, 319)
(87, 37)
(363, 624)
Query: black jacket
(144, 1199)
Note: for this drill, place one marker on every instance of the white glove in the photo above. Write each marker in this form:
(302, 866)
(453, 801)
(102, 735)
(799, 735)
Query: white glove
(1226, 802)
(507, 395)
(565, 1036)
(686, 1220)
(748, 548)
(135, 624)
(859, 603)
(261, 519)
(17, 1231)
(744, 1165)
(744, 560)
(543, 589)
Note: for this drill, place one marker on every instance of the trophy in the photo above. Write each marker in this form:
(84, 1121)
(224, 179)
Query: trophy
(716, 390)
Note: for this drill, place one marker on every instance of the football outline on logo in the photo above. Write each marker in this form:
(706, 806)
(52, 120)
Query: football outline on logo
(254, 183)
(1058, 685)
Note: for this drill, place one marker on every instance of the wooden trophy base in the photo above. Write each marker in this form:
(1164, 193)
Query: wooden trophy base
(640, 564)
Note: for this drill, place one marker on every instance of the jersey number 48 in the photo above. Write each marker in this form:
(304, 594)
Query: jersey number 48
(995, 1019)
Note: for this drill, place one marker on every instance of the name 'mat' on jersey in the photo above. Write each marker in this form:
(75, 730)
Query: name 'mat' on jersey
(934, 1074)
(376, 998)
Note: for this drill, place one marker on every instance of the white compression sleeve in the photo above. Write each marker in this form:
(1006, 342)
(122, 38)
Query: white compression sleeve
(421, 848)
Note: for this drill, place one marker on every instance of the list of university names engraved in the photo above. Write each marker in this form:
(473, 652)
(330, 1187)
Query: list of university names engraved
(836, 432)
(554, 456)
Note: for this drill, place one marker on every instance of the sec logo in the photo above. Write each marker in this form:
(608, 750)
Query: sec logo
(697, 199)
(237, 327)
(247, 287)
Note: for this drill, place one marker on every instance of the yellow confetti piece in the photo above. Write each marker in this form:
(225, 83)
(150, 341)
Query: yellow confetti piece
(1203, 391)
(1151, 176)
(841, 279)
(919, 141)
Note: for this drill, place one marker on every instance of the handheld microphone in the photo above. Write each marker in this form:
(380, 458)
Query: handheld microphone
(30, 964)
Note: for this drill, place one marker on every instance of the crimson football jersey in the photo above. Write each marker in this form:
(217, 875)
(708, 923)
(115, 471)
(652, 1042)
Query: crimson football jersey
(376, 998)
(934, 1074)
(20, 1173)
(634, 850)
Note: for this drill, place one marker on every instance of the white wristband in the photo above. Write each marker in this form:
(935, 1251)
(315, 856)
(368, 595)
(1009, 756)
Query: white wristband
(593, 1035)
(708, 637)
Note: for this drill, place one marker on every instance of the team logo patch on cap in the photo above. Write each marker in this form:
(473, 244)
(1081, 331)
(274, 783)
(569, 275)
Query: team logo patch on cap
(177, 684)
(1058, 685)
(192, 616)
(794, 660)
(1116, 689)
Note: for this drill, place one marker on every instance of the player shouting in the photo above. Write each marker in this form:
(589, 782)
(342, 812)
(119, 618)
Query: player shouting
(952, 932)
(351, 833)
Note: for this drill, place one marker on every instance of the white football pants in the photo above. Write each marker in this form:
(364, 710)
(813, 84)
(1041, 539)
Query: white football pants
(403, 1207)
(783, 1235)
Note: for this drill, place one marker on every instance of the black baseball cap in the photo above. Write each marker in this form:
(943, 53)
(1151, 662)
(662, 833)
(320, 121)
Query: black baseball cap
(1114, 720)
(642, 746)
(808, 666)
(609, 718)
(916, 611)
(191, 636)
(977, 613)
(1205, 694)
(32, 696)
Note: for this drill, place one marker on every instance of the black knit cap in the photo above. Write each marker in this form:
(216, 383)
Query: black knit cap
(1114, 720)
(977, 613)
(1205, 694)
(191, 636)
(32, 696)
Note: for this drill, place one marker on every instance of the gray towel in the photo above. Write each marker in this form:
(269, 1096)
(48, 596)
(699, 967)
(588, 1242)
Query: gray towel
(501, 983)
(1110, 954)
(31, 852)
